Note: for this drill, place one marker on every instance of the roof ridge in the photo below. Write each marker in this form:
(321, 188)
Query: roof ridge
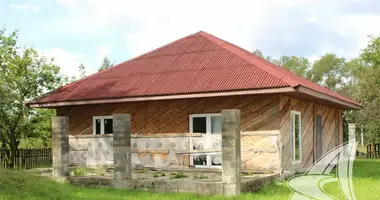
(281, 74)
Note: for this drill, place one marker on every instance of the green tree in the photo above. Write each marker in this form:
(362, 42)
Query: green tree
(367, 90)
(298, 65)
(82, 70)
(327, 71)
(371, 54)
(24, 75)
(106, 63)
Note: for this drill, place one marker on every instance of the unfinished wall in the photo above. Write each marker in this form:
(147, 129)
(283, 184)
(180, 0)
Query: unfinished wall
(258, 112)
(260, 151)
(332, 130)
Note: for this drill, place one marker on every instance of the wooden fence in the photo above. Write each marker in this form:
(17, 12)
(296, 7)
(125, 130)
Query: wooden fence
(28, 158)
(371, 151)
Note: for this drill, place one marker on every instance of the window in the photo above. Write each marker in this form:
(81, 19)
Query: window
(296, 134)
(208, 124)
(102, 125)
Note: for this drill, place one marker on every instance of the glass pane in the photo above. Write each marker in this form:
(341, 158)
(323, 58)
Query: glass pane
(200, 160)
(108, 127)
(216, 124)
(97, 126)
(216, 160)
(297, 135)
(199, 125)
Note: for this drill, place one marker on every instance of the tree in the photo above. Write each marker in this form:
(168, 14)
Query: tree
(371, 54)
(298, 65)
(367, 90)
(24, 75)
(82, 70)
(327, 71)
(106, 63)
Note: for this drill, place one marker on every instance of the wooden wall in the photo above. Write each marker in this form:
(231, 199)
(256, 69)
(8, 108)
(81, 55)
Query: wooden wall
(259, 112)
(332, 130)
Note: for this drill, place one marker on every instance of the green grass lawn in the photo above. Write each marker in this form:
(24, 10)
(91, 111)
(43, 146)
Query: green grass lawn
(22, 185)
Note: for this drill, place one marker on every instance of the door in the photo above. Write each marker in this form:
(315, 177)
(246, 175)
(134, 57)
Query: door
(318, 129)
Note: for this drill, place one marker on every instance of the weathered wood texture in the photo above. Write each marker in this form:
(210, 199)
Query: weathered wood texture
(259, 112)
(332, 130)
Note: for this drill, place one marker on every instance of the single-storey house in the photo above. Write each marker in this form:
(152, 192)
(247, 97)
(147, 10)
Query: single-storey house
(175, 94)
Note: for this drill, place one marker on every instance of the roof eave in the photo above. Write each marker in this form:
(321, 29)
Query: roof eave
(318, 95)
(161, 97)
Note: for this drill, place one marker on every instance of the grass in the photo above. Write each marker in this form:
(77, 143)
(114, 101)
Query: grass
(177, 175)
(23, 185)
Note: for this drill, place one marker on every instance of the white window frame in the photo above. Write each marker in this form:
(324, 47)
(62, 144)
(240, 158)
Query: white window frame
(208, 132)
(101, 118)
(208, 121)
(292, 134)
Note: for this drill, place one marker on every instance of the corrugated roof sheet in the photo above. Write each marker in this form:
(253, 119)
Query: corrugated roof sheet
(198, 63)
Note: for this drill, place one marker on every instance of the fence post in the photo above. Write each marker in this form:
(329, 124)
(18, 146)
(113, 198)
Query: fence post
(231, 152)
(60, 149)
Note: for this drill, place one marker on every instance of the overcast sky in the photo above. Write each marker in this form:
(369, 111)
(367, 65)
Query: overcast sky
(83, 31)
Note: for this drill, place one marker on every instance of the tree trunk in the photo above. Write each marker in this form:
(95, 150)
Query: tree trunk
(374, 150)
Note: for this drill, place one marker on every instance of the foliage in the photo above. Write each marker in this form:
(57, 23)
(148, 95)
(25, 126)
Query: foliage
(298, 65)
(177, 175)
(82, 70)
(106, 63)
(24, 75)
(371, 54)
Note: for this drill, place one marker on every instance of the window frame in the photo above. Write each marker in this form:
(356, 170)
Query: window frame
(208, 132)
(101, 118)
(208, 121)
(293, 113)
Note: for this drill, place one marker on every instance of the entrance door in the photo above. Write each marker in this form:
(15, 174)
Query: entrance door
(318, 128)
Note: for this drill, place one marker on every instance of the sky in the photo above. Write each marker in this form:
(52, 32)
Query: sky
(84, 31)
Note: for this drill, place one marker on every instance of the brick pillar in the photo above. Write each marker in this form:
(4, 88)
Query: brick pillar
(60, 136)
(231, 152)
(122, 149)
(351, 131)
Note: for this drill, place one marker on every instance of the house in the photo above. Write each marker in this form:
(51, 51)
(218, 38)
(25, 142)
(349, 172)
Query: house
(175, 94)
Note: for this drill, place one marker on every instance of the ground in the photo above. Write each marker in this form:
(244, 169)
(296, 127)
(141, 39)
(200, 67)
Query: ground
(24, 185)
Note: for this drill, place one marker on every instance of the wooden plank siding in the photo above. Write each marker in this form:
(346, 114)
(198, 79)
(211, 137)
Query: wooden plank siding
(332, 130)
(258, 112)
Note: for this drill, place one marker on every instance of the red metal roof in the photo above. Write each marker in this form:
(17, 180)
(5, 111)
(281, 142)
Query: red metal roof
(198, 63)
